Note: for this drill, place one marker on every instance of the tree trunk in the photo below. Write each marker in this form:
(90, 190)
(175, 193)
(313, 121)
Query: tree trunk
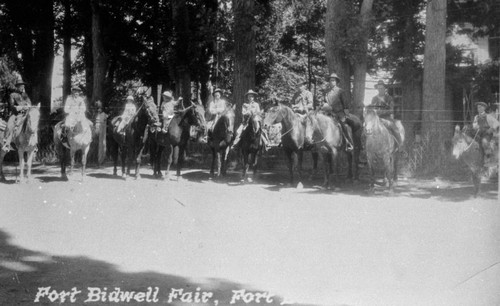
(244, 52)
(360, 65)
(183, 43)
(336, 58)
(433, 103)
(98, 53)
(66, 89)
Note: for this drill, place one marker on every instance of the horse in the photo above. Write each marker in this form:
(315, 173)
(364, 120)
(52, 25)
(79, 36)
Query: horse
(381, 145)
(292, 138)
(79, 139)
(25, 139)
(325, 134)
(220, 140)
(469, 150)
(251, 144)
(176, 138)
(132, 143)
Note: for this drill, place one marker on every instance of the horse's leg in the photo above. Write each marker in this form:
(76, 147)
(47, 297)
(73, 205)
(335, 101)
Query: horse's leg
(212, 168)
(225, 154)
(2, 176)
(349, 165)
(371, 172)
(72, 161)
(395, 166)
(31, 153)
(124, 160)
(20, 153)
(289, 159)
(389, 171)
(138, 160)
(246, 165)
(63, 152)
(180, 159)
(85, 152)
(476, 180)
(114, 151)
(170, 158)
(255, 163)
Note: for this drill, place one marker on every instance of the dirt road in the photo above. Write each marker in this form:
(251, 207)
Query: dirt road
(429, 244)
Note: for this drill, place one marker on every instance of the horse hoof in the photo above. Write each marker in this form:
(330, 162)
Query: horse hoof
(250, 180)
(300, 186)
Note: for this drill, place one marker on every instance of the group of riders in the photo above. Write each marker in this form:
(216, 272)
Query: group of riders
(335, 104)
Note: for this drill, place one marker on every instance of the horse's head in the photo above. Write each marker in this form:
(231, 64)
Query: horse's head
(32, 119)
(194, 115)
(372, 121)
(255, 123)
(273, 115)
(461, 140)
(150, 109)
(310, 126)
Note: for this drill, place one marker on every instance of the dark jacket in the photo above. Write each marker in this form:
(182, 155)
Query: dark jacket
(384, 105)
(17, 99)
(336, 100)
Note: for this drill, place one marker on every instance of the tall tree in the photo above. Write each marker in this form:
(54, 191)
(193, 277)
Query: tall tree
(244, 52)
(100, 64)
(336, 36)
(433, 102)
(361, 58)
(67, 34)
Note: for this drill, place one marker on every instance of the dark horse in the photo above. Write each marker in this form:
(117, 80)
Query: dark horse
(220, 140)
(176, 138)
(468, 149)
(381, 146)
(251, 144)
(292, 137)
(132, 143)
(325, 134)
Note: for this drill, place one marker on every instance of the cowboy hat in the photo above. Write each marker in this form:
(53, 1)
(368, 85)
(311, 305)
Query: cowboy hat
(168, 94)
(218, 90)
(251, 92)
(380, 83)
(482, 104)
(75, 88)
(130, 98)
(20, 81)
(334, 75)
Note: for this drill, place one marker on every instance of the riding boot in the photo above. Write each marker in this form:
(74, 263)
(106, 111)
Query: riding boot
(349, 143)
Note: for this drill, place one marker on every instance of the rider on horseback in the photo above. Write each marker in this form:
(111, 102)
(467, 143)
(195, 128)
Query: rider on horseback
(169, 107)
(486, 126)
(302, 101)
(19, 103)
(128, 113)
(215, 108)
(75, 109)
(383, 103)
(337, 106)
(249, 109)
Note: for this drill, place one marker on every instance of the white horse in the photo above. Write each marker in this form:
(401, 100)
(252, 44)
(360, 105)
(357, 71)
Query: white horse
(25, 139)
(79, 139)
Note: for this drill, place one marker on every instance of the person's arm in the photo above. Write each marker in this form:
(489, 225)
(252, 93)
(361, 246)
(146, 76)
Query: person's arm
(245, 109)
(310, 101)
(492, 122)
(475, 124)
(212, 109)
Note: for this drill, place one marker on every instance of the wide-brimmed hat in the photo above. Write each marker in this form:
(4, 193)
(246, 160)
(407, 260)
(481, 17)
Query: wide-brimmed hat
(98, 104)
(130, 98)
(379, 84)
(482, 104)
(76, 88)
(251, 92)
(334, 75)
(168, 94)
(20, 81)
(218, 90)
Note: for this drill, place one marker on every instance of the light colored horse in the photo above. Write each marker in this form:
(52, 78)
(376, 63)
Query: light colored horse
(79, 139)
(25, 140)
(381, 146)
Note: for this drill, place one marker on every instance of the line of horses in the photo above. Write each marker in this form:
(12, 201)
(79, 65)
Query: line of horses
(314, 132)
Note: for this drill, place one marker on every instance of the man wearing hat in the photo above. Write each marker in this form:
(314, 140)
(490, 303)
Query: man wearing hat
(75, 109)
(487, 127)
(19, 103)
(128, 112)
(302, 101)
(384, 104)
(248, 109)
(337, 105)
(100, 130)
(215, 108)
(168, 108)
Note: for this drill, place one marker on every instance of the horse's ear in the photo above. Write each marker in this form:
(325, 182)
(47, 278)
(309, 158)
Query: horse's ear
(457, 128)
(38, 105)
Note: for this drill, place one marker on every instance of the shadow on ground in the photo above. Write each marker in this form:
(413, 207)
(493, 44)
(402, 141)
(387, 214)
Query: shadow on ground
(23, 272)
